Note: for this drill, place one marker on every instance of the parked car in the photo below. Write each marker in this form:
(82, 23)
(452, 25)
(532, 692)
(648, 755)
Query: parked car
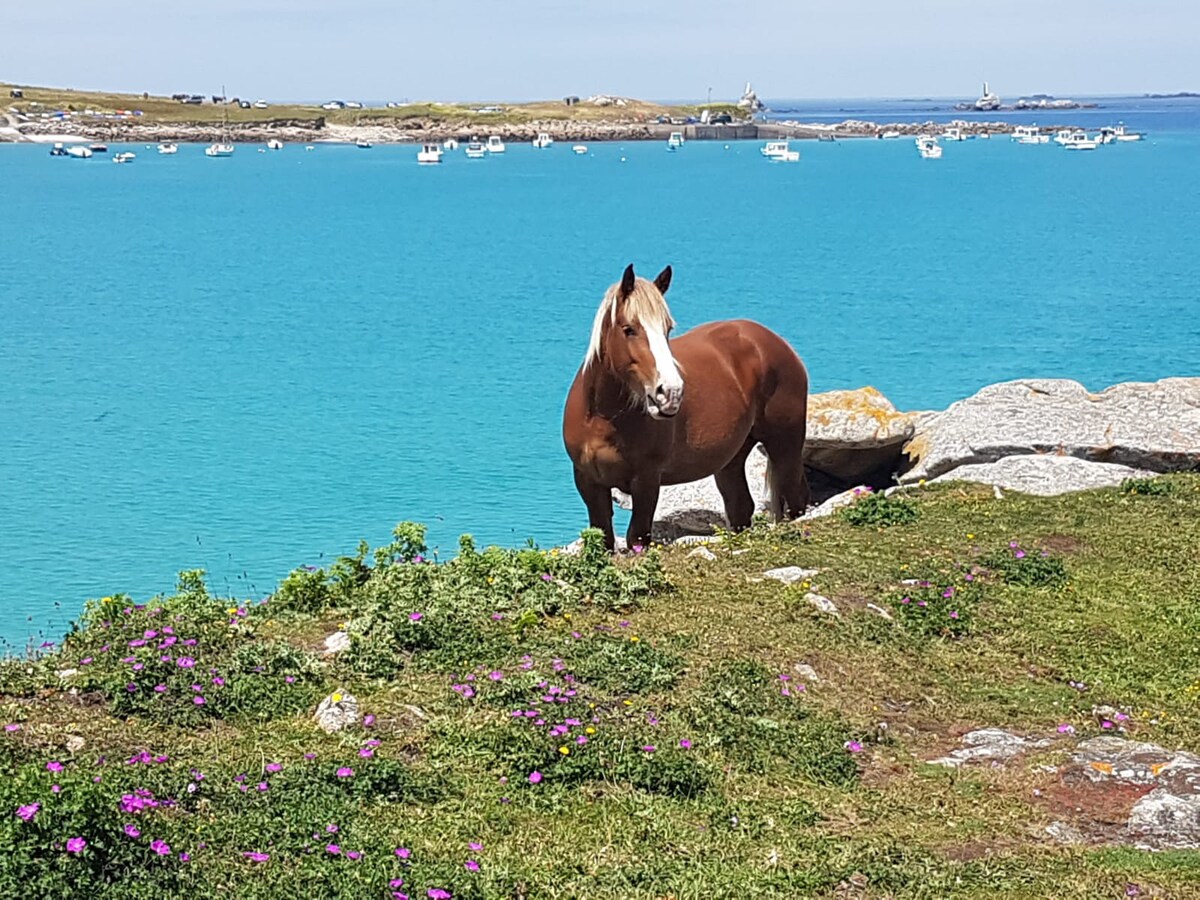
(721, 119)
(243, 104)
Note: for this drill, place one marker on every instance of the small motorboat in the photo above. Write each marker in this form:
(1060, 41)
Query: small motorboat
(58, 150)
(1079, 140)
(450, 144)
(579, 149)
(126, 157)
(218, 150)
(494, 144)
(274, 144)
(542, 141)
(167, 149)
(79, 152)
(928, 147)
(98, 148)
(309, 148)
(779, 151)
(429, 154)
(476, 150)
(363, 144)
(675, 141)
(890, 135)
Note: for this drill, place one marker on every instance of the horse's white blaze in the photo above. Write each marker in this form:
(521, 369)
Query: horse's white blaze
(669, 378)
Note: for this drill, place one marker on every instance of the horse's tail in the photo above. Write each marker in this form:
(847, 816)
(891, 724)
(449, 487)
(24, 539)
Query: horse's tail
(774, 490)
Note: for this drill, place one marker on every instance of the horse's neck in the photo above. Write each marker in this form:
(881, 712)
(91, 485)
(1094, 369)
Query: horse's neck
(607, 395)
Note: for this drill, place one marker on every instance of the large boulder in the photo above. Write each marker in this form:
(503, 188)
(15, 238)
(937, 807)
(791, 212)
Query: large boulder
(1044, 475)
(856, 436)
(1146, 425)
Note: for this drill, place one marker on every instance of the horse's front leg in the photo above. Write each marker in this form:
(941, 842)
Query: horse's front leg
(645, 503)
(598, 499)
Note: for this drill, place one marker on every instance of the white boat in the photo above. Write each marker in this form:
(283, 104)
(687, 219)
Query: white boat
(953, 134)
(216, 150)
(450, 144)
(224, 147)
(363, 144)
(429, 153)
(126, 157)
(1079, 140)
(79, 152)
(579, 149)
(779, 151)
(1124, 136)
(495, 145)
(274, 144)
(542, 141)
(476, 150)
(167, 149)
(1065, 135)
(928, 147)
(988, 101)
(1029, 134)
(890, 135)
(309, 148)
(675, 141)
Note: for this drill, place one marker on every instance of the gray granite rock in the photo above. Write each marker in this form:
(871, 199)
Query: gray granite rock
(336, 712)
(856, 435)
(790, 574)
(989, 744)
(836, 502)
(1044, 475)
(1145, 425)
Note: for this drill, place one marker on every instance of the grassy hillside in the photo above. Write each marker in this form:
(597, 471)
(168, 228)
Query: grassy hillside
(538, 725)
(164, 109)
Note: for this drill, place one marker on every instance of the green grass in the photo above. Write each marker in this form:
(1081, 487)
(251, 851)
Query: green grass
(749, 790)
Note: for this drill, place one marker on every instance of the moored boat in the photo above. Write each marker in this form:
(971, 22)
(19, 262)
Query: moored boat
(218, 150)
(58, 150)
(542, 141)
(274, 144)
(928, 147)
(429, 153)
(450, 144)
(675, 141)
(363, 144)
(476, 150)
(579, 149)
(98, 148)
(124, 157)
(494, 144)
(779, 151)
(79, 152)
(167, 149)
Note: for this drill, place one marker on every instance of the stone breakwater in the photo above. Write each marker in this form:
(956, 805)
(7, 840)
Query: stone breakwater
(1035, 436)
(431, 130)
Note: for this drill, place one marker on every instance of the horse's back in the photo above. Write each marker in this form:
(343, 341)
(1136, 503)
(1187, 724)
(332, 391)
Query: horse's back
(744, 346)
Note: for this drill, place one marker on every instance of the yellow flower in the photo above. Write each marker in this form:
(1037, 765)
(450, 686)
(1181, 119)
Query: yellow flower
(490, 579)
(231, 610)
(589, 730)
(564, 750)
(627, 702)
(634, 638)
(337, 698)
(106, 599)
(566, 615)
(921, 483)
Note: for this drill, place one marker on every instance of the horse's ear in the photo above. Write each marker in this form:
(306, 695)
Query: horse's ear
(627, 281)
(663, 281)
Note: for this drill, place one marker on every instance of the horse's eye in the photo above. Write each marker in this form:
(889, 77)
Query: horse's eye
(630, 331)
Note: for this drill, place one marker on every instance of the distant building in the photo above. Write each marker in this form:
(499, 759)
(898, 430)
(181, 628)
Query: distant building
(750, 100)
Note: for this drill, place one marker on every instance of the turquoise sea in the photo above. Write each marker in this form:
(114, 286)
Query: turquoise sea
(248, 364)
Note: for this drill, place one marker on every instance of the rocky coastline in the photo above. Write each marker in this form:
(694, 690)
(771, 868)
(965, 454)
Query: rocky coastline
(1044, 437)
(418, 130)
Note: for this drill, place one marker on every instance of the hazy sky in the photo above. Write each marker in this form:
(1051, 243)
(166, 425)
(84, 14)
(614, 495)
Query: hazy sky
(657, 49)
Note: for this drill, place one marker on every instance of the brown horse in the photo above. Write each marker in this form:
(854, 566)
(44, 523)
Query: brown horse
(644, 412)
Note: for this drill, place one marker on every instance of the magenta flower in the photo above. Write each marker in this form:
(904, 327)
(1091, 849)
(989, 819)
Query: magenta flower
(1106, 724)
(649, 748)
(353, 854)
(333, 848)
(396, 882)
(132, 831)
(185, 662)
(290, 679)
(368, 720)
(76, 845)
(162, 848)
(415, 617)
(27, 812)
(256, 857)
(1066, 729)
(437, 894)
(12, 726)
(159, 688)
(1020, 554)
(366, 752)
(54, 766)
(476, 846)
(496, 676)
(331, 829)
(535, 777)
(199, 701)
(403, 852)
(184, 856)
(954, 613)
(345, 772)
(471, 865)
(685, 744)
(274, 767)
(853, 746)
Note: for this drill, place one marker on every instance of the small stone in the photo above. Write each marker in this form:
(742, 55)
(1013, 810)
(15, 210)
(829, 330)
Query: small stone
(1064, 833)
(991, 744)
(64, 674)
(337, 711)
(822, 604)
(337, 643)
(75, 743)
(807, 672)
(790, 574)
(702, 553)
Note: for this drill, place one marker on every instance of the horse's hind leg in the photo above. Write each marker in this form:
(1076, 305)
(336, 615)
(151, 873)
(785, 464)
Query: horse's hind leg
(731, 482)
(787, 480)
(598, 499)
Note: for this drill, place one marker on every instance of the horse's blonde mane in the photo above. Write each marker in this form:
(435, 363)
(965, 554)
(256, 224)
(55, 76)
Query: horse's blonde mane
(645, 304)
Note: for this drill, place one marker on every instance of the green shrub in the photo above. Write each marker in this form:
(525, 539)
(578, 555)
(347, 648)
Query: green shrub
(1023, 568)
(878, 511)
(625, 666)
(1147, 487)
(305, 590)
(943, 605)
